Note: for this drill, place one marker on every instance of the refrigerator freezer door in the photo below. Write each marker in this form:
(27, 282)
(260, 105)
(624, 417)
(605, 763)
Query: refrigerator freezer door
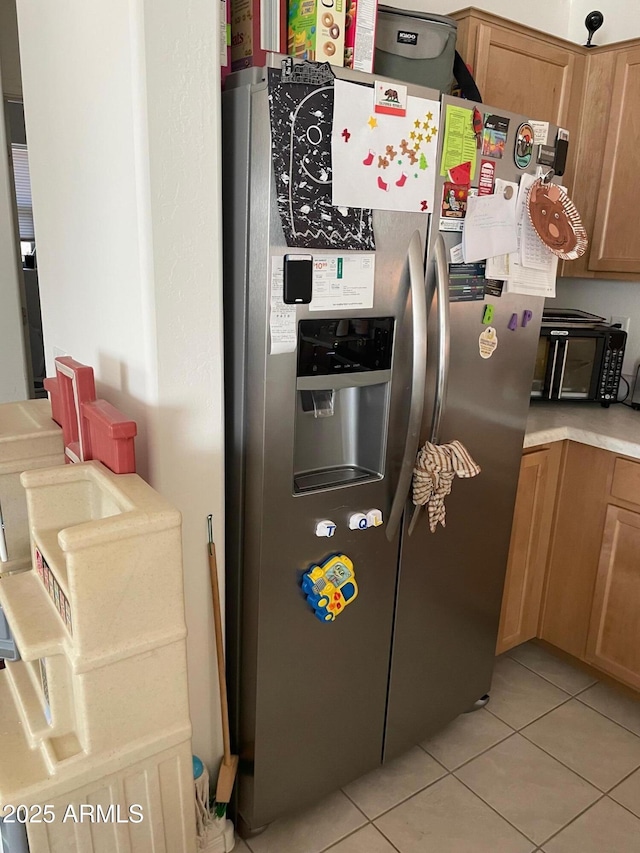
(309, 697)
(450, 582)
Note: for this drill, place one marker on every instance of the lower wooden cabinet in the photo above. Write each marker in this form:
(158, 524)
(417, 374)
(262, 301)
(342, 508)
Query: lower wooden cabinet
(613, 640)
(530, 533)
(575, 547)
(591, 592)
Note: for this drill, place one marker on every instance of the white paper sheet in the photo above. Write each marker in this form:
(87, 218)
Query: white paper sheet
(498, 267)
(456, 254)
(282, 318)
(530, 281)
(489, 228)
(381, 161)
(540, 132)
(343, 281)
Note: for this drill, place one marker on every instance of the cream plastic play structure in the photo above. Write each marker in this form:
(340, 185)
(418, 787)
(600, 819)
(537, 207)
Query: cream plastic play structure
(94, 717)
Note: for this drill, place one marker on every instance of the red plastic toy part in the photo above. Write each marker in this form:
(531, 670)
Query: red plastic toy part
(91, 429)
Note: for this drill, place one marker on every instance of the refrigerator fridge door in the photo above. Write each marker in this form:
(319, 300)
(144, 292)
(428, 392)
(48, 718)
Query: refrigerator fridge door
(450, 582)
(306, 454)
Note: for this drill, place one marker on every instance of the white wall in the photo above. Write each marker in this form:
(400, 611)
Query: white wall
(13, 379)
(9, 53)
(551, 16)
(122, 110)
(608, 299)
(621, 20)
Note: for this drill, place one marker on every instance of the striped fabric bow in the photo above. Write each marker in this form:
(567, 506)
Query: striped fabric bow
(436, 466)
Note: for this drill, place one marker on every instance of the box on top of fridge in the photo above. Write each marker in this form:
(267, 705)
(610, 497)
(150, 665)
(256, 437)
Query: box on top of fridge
(359, 34)
(316, 30)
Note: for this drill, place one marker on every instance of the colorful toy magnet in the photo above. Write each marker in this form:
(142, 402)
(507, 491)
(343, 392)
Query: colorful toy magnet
(358, 521)
(524, 145)
(325, 528)
(527, 317)
(330, 587)
(513, 322)
(374, 518)
(487, 316)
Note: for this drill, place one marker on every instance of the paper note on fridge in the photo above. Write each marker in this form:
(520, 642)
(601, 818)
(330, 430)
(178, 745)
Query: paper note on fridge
(282, 318)
(489, 228)
(385, 162)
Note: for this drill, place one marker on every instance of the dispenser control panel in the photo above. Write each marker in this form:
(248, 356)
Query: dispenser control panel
(352, 345)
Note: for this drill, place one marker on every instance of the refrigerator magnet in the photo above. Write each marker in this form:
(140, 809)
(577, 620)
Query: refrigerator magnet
(330, 587)
(524, 145)
(488, 342)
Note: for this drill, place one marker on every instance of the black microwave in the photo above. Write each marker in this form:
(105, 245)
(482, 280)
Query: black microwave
(579, 358)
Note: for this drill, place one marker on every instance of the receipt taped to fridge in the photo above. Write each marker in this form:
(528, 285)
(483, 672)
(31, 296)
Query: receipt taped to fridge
(282, 318)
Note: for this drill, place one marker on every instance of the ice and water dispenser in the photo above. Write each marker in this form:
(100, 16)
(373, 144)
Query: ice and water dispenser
(342, 401)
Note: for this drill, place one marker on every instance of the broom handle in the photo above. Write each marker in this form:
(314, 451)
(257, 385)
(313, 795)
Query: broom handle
(222, 681)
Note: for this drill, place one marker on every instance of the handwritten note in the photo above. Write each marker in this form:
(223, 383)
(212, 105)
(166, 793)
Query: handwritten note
(489, 228)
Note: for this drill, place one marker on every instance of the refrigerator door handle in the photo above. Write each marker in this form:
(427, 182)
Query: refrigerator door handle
(444, 337)
(418, 378)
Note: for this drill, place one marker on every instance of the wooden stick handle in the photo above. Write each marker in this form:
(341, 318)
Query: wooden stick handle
(222, 681)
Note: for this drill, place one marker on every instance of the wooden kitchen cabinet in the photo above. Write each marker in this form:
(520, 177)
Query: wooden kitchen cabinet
(613, 640)
(530, 533)
(575, 547)
(615, 246)
(591, 598)
(524, 70)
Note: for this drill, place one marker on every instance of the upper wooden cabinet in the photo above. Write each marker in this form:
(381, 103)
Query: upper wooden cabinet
(525, 71)
(593, 93)
(615, 246)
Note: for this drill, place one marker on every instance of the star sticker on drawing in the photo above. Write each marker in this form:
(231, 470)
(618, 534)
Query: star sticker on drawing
(416, 123)
(428, 137)
(419, 137)
(429, 116)
(434, 130)
(346, 135)
(412, 135)
(425, 125)
(373, 122)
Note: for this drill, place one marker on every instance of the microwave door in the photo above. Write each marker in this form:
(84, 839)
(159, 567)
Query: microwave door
(546, 360)
(578, 371)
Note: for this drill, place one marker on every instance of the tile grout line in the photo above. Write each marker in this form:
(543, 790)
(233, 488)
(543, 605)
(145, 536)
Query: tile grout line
(573, 770)
(494, 809)
(574, 695)
(573, 820)
(535, 719)
(606, 716)
(586, 809)
(477, 755)
(410, 796)
(548, 680)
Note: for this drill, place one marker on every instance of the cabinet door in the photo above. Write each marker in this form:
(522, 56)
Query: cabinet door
(613, 642)
(577, 535)
(615, 245)
(529, 546)
(526, 71)
(523, 74)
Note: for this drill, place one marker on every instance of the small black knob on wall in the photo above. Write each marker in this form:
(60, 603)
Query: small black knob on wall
(593, 22)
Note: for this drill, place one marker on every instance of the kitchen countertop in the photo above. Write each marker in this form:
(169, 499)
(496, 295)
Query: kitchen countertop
(616, 428)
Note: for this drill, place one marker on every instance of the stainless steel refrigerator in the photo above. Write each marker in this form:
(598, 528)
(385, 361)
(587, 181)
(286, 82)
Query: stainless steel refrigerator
(315, 705)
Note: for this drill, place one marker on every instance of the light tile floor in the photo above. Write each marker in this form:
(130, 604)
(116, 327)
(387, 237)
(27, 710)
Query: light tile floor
(551, 765)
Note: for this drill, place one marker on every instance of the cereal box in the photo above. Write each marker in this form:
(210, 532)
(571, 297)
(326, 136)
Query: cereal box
(359, 34)
(316, 30)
